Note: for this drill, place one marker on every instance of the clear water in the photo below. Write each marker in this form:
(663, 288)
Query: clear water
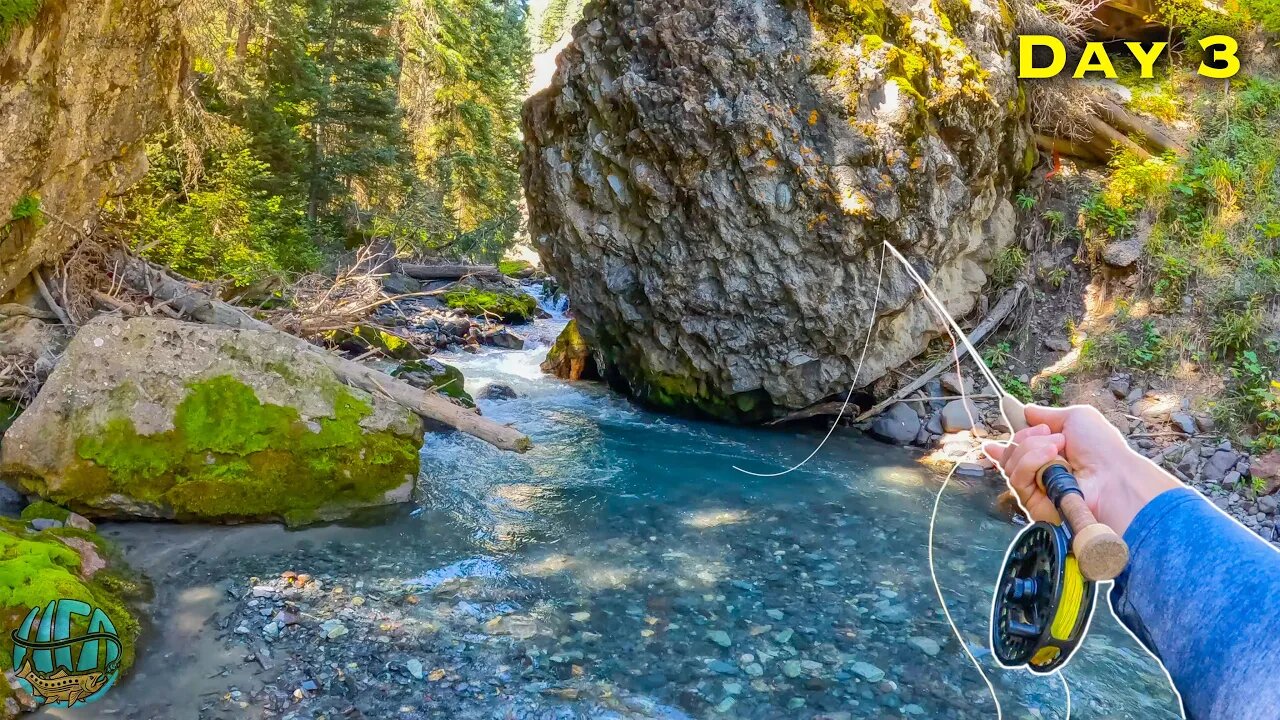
(637, 526)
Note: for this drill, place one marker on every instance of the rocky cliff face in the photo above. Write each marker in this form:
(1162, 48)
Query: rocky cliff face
(711, 181)
(79, 89)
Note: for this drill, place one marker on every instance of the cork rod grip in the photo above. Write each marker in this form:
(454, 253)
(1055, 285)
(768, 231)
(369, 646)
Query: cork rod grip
(1101, 553)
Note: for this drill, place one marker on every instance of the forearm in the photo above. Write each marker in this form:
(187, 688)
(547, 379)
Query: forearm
(1203, 593)
(1127, 485)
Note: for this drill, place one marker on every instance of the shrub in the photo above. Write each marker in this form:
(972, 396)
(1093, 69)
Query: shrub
(1008, 266)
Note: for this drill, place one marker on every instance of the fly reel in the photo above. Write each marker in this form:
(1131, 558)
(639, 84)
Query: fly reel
(1046, 589)
(1043, 602)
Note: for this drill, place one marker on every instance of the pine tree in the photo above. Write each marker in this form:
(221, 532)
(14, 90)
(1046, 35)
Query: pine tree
(466, 67)
(353, 134)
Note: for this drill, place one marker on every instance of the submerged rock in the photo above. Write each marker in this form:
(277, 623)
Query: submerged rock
(498, 391)
(711, 181)
(158, 418)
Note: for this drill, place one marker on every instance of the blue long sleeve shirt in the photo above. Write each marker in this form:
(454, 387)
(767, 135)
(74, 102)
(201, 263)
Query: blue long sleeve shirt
(1203, 593)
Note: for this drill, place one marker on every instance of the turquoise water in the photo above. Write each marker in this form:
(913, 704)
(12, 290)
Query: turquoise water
(624, 505)
(652, 571)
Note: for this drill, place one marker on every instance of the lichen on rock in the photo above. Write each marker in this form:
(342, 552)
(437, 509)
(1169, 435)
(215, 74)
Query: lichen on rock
(711, 180)
(158, 418)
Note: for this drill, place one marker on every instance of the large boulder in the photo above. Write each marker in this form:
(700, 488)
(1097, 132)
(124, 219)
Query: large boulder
(158, 418)
(711, 181)
(80, 87)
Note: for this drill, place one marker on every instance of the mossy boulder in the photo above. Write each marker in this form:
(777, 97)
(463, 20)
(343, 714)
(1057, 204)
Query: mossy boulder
(429, 374)
(37, 568)
(364, 337)
(519, 269)
(570, 357)
(511, 306)
(718, 213)
(156, 418)
(47, 510)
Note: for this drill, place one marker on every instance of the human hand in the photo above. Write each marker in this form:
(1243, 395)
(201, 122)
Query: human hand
(1115, 480)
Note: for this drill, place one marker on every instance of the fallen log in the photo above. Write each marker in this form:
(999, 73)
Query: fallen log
(1106, 137)
(450, 271)
(1069, 148)
(832, 407)
(143, 277)
(1146, 133)
(992, 321)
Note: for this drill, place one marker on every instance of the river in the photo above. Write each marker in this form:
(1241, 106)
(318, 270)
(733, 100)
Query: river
(621, 569)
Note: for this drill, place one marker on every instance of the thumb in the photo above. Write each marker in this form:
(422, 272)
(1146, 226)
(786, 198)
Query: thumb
(1055, 418)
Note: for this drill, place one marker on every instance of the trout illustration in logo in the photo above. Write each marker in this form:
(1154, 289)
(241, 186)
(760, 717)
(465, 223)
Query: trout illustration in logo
(60, 667)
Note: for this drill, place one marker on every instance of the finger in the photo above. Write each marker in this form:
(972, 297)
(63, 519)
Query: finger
(1014, 459)
(1020, 441)
(1055, 418)
(995, 451)
(1028, 432)
(1033, 452)
(1022, 476)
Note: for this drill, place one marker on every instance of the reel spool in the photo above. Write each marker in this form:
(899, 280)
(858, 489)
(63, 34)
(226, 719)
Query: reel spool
(1043, 602)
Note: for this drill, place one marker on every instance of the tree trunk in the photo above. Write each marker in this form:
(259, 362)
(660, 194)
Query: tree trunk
(1146, 133)
(450, 271)
(146, 278)
(1109, 137)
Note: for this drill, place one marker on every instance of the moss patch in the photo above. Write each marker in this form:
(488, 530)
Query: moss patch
(512, 307)
(363, 337)
(49, 511)
(230, 456)
(570, 358)
(15, 14)
(446, 379)
(515, 268)
(36, 568)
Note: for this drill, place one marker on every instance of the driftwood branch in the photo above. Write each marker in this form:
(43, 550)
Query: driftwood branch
(144, 277)
(48, 299)
(450, 271)
(992, 321)
(16, 310)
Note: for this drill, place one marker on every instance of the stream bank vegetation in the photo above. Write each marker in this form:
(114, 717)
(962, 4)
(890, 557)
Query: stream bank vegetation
(1157, 264)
